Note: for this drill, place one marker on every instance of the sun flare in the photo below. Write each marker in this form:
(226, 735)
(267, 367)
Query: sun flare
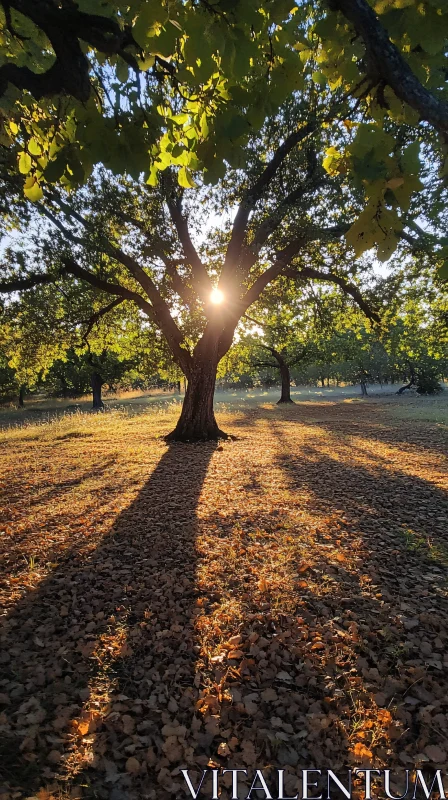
(216, 297)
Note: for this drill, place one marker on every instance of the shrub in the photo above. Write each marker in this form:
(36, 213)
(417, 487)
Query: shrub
(428, 383)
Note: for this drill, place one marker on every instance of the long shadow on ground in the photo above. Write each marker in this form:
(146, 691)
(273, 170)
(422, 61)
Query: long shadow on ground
(115, 621)
(118, 670)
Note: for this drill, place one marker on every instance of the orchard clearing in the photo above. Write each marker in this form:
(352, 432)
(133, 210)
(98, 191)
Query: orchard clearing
(274, 601)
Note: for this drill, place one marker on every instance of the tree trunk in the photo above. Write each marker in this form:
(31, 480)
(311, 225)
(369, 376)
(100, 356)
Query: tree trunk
(363, 389)
(286, 384)
(64, 386)
(96, 382)
(412, 381)
(22, 396)
(197, 421)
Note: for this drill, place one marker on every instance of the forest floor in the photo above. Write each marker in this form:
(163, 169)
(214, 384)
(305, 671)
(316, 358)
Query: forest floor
(278, 601)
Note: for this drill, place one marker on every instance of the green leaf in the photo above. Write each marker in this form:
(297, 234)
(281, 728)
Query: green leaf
(122, 71)
(179, 119)
(25, 163)
(410, 160)
(151, 13)
(55, 169)
(387, 247)
(319, 78)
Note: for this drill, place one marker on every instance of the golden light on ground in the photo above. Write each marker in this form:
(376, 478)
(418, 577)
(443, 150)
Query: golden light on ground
(216, 297)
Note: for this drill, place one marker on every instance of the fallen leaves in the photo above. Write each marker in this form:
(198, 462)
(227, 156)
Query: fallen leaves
(362, 753)
(209, 624)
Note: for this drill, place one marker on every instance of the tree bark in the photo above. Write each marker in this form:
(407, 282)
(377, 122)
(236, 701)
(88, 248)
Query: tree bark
(22, 396)
(96, 383)
(197, 421)
(286, 384)
(363, 388)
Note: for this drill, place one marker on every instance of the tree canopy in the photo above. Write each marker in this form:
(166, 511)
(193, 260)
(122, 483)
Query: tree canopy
(142, 86)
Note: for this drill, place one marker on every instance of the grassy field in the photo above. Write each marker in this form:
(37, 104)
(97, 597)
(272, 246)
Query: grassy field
(44, 410)
(278, 600)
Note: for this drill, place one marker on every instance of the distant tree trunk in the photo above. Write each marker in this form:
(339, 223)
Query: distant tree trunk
(284, 374)
(178, 387)
(96, 381)
(363, 388)
(286, 383)
(22, 395)
(412, 381)
(322, 380)
(64, 386)
(197, 421)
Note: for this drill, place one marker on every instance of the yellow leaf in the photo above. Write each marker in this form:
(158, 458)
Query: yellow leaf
(24, 163)
(185, 178)
(33, 192)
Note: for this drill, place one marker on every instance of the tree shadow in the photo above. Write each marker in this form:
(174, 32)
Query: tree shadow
(390, 534)
(226, 635)
(18, 504)
(113, 622)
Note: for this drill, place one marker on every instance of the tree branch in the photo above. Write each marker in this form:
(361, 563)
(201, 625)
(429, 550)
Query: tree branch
(386, 64)
(160, 310)
(71, 267)
(20, 284)
(283, 257)
(182, 356)
(65, 26)
(200, 277)
(255, 192)
(271, 223)
(347, 287)
(101, 313)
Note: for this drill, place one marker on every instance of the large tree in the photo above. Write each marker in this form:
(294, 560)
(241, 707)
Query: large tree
(253, 103)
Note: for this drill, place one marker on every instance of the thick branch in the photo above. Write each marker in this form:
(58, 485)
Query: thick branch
(181, 355)
(185, 292)
(347, 287)
(71, 267)
(282, 260)
(64, 27)
(386, 64)
(160, 310)
(255, 192)
(200, 277)
(271, 223)
(20, 284)
(99, 314)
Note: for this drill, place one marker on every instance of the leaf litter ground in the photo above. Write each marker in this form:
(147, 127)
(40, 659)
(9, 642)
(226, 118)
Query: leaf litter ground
(277, 601)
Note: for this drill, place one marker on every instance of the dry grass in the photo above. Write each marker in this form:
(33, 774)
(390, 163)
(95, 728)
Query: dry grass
(257, 603)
